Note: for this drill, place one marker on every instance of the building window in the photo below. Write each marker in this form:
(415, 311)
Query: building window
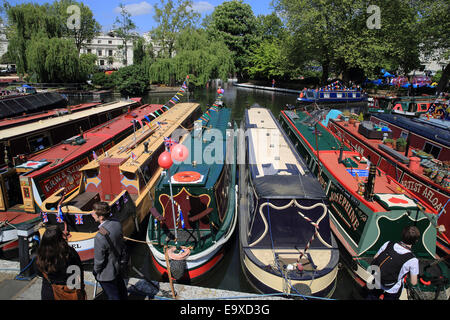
(89, 50)
(99, 41)
(109, 41)
(99, 52)
(102, 62)
(110, 53)
(432, 149)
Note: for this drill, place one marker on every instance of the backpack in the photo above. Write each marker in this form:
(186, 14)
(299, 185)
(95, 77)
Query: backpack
(390, 263)
(122, 257)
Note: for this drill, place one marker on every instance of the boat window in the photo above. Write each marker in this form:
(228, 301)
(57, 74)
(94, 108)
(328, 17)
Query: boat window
(432, 149)
(92, 173)
(310, 94)
(129, 175)
(222, 189)
(39, 142)
(404, 135)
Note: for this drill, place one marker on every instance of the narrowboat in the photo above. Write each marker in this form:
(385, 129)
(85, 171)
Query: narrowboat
(38, 176)
(334, 93)
(367, 206)
(124, 176)
(36, 136)
(12, 106)
(286, 243)
(188, 237)
(414, 151)
(409, 105)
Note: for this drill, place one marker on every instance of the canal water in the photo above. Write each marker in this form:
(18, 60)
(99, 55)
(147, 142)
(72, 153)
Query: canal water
(228, 274)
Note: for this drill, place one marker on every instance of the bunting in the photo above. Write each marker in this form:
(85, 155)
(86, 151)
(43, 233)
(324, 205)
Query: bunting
(44, 217)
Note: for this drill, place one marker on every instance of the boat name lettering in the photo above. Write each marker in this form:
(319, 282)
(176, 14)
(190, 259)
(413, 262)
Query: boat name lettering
(345, 204)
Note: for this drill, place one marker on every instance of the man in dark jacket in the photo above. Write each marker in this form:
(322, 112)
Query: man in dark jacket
(106, 263)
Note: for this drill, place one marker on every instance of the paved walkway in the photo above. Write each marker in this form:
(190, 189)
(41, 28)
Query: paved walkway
(12, 289)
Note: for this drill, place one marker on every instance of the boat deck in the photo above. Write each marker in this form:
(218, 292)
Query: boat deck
(326, 140)
(51, 122)
(375, 143)
(64, 153)
(346, 174)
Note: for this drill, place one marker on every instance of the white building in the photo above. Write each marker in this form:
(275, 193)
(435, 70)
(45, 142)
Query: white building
(156, 46)
(110, 51)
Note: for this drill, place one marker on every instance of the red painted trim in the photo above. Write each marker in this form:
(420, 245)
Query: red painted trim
(194, 273)
(11, 246)
(86, 255)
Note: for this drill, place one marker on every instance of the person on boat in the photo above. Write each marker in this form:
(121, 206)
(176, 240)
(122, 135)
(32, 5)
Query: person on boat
(106, 268)
(395, 261)
(54, 257)
(273, 83)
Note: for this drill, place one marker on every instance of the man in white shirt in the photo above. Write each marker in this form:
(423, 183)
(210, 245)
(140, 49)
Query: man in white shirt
(395, 261)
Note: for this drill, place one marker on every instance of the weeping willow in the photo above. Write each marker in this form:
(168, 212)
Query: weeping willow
(197, 56)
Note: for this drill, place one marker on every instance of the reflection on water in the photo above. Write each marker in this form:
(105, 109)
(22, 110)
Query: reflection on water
(228, 274)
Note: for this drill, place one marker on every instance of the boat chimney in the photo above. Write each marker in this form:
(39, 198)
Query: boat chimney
(370, 185)
(341, 153)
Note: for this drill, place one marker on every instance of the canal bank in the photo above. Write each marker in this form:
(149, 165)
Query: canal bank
(13, 287)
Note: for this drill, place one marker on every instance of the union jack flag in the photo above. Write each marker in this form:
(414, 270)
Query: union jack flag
(169, 142)
(44, 217)
(133, 156)
(78, 219)
(59, 216)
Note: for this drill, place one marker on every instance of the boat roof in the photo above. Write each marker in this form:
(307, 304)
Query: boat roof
(133, 144)
(63, 153)
(302, 121)
(417, 126)
(8, 122)
(51, 122)
(210, 173)
(277, 169)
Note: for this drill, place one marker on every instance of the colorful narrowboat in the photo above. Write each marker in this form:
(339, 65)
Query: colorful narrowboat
(285, 238)
(188, 237)
(367, 206)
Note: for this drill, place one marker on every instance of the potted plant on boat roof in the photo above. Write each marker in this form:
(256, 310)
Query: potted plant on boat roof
(353, 118)
(400, 144)
(389, 142)
(345, 115)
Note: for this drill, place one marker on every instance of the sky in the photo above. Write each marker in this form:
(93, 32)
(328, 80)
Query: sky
(142, 11)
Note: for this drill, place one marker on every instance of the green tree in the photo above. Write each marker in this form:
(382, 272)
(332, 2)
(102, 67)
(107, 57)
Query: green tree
(198, 56)
(234, 22)
(139, 51)
(172, 17)
(123, 28)
(86, 28)
(131, 80)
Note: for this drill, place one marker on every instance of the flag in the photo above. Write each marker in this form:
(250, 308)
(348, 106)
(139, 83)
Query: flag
(133, 156)
(78, 219)
(169, 142)
(180, 214)
(44, 217)
(59, 215)
(94, 155)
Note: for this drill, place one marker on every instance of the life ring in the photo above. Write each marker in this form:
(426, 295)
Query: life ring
(178, 256)
(426, 283)
(187, 176)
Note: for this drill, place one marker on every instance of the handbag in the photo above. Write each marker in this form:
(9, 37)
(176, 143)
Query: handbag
(122, 257)
(63, 292)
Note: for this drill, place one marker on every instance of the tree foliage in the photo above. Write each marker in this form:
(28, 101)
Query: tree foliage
(235, 23)
(171, 18)
(198, 56)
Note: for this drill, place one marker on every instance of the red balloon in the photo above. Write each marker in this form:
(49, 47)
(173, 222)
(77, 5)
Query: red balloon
(179, 152)
(165, 160)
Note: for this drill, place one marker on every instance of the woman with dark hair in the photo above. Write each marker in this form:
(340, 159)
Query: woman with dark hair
(54, 258)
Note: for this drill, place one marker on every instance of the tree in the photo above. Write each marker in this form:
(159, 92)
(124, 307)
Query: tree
(139, 51)
(335, 33)
(123, 28)
(198, 55)
(171, 19)
(26, 21)
(55, 60)
(81, 29)
(131, 80)
(235, 23)
(434, 30)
